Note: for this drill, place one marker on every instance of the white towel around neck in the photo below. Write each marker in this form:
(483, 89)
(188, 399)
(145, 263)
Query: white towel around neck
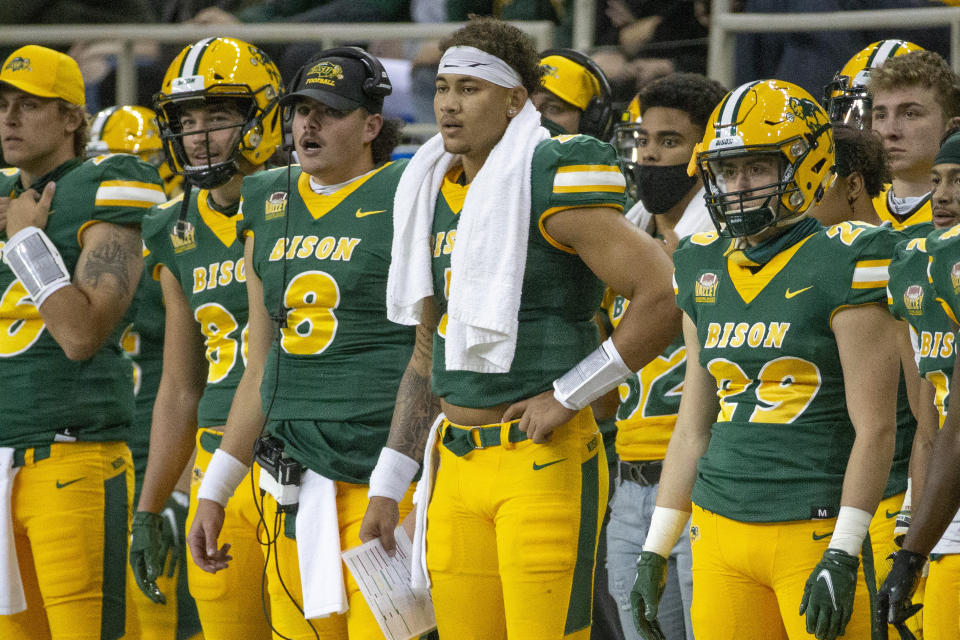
(489, 254)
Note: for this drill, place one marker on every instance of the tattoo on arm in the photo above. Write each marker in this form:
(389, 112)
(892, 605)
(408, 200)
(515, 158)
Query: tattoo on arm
(416, 407)
(111, 258)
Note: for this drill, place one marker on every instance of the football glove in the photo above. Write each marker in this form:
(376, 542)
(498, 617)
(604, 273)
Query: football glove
(828, 594)
(149, 544)
(893, 598)
(646, 593)
(901, 526)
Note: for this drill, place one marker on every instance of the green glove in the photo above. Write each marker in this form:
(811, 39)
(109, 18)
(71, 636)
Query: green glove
(893, 599)
(828, 594)
(149, 545)
(646, 593)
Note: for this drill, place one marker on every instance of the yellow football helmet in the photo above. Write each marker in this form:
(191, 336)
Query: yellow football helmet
(625, 135)
(845, 97)
(221, 69)
(773, 119)
(132, 129)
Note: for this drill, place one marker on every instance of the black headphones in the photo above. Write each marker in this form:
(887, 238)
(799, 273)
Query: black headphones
(598, 116)
(376, 84)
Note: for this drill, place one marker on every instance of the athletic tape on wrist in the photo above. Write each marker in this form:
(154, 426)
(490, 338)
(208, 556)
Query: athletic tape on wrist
(393, 474)
(600, 371)
(666, 526)
(850, 530)
(222, 477)
(34, 259)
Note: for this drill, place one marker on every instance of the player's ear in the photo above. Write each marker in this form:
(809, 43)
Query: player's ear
(855, 185)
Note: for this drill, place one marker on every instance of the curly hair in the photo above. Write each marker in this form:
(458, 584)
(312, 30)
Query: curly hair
(862, 151)
(925, 69)
(503, 40)
(692, 93)
(386, 141)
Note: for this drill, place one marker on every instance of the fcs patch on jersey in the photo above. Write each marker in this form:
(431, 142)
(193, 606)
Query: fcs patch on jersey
(185, 242)
(955, 277)
(913, 300)
(705, 290)
(275, 206)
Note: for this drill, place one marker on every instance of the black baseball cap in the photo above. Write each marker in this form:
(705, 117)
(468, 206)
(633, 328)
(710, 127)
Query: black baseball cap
(335, 81)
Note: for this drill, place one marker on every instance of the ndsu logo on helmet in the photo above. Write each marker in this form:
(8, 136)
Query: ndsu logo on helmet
(325, 73)
(19, 64)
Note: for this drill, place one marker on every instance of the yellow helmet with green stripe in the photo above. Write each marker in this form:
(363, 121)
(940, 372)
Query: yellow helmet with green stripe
(775, 120)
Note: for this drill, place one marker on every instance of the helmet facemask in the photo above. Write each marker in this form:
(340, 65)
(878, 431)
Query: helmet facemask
(210, 174)
(626, 141)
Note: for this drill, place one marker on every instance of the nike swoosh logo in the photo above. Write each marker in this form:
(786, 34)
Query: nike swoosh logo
(790, 294)
(537, 467)
(821, 536)
(892, 515)
(363, 214)
(826, 577)
(61, 485)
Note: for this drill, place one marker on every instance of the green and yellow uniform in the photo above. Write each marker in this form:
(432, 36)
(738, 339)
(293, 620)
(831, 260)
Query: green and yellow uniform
(208, 264)
(768, 487)
(330, 381)
(67, 421)
(142, 342)
(513, 528)
(941, 610)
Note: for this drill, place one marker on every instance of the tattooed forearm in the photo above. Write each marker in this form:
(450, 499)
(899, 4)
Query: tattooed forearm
(415, 412)
(416, 407)
(113, 258)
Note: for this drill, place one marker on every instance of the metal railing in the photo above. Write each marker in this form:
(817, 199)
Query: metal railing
(724, 26)
(327, 34)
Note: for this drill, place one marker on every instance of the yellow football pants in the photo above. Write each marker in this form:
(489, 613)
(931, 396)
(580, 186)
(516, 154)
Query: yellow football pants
(512, 535)
(358, 622)
(941, 608)
(881, 539)
(71, 507)
(748, 578)
(229, 602)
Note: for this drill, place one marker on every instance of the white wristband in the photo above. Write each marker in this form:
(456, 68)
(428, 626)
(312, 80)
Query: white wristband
(592, 377)
(666, 526)
(34, 259)
(905, 507)
(850, 530)
(222, 477)
(393, 474)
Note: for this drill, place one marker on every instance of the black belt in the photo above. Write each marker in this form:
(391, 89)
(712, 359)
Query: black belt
(644, 472)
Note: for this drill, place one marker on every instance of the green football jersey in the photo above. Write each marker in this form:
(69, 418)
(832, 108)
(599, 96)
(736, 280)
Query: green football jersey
(649, 399)
(142, 342)
(208, 264)
(560, 294)
(943, 249)
(779, 447)
(913, 299)
(331, 378)
(44, 392)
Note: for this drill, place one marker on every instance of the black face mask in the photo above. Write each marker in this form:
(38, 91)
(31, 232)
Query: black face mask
(660, 188)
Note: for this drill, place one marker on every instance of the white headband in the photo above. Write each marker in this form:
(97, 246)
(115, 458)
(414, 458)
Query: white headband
(470, 61)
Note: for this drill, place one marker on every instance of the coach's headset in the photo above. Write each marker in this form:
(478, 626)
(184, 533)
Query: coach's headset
(376, 86)
(598, 116)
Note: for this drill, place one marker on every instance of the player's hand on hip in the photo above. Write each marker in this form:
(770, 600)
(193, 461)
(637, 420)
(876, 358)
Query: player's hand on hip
(646, 593)
(30, 209)
(202, 539)
(539, 416)
(148, 550)
(379, 521)
(828, 594)
(893, 599)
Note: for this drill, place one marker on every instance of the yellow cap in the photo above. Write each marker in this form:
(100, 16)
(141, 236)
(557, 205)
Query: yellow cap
(44, 72)
(569, 81)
